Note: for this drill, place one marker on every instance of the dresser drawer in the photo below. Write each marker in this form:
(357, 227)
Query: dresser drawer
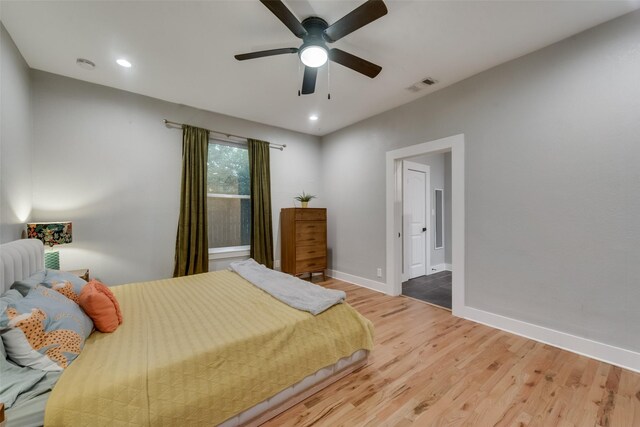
(308, 252)
(311, 214)
(311, 233)
(313, 264)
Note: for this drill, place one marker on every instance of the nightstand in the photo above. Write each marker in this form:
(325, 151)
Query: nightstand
(82, 273)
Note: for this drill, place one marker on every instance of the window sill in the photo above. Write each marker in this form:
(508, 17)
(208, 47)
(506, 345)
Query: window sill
(231, 252)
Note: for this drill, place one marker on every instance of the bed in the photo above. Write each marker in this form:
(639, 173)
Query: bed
(209, 349)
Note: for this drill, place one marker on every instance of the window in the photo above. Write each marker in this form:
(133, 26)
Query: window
(228, 198)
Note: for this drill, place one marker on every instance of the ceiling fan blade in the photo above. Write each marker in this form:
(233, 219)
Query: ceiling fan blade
(309, 80)
(263, 53)
(283, 13)
(357, 18)
(360, 65)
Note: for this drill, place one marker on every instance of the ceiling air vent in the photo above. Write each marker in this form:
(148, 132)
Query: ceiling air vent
(414, 88)
(417, 87)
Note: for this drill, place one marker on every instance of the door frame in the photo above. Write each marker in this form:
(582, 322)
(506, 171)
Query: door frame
(407, 164)
(394, 231)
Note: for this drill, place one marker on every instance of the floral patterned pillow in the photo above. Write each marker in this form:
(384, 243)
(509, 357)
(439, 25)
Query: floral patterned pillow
(44, 330)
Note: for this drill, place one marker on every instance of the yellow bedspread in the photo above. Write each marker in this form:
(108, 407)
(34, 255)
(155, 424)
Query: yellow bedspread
(196, 351)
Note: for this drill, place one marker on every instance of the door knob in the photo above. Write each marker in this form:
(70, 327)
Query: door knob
(424, 229)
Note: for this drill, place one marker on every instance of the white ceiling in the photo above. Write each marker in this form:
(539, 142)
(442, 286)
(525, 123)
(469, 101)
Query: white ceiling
(182, 51)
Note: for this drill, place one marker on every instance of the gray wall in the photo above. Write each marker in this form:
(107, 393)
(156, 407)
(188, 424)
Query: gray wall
(105, 161)
(552, 178)
(436, 163)
(15, 140)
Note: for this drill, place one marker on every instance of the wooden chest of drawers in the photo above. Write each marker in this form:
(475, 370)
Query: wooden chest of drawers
(303, 233)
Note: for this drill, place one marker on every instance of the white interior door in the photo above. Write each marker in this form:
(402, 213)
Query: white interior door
(415, 207)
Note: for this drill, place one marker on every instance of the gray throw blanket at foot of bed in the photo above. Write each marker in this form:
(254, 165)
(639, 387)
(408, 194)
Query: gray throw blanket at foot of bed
(290, 290)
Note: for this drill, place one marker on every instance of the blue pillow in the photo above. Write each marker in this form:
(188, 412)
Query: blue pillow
(44, 330)
(25, 285)
(14, 379)
(7, 298)
(66, 283)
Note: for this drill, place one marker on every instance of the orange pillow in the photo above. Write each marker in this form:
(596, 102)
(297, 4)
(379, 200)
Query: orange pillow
(101, 306)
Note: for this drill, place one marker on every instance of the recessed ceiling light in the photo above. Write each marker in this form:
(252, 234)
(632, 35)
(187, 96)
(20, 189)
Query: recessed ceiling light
(85, 63)
(124, 63)
(313, 117)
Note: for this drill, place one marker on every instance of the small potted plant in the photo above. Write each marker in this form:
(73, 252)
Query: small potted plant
(304, 199)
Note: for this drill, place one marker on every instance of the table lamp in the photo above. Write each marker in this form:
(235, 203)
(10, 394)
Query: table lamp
(51, 234)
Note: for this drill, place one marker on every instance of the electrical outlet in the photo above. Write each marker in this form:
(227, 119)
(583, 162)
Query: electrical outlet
(276, 264)
(379, 272)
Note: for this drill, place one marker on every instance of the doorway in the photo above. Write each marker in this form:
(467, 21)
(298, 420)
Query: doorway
(394, 158)
(416, 182)
(426, 187)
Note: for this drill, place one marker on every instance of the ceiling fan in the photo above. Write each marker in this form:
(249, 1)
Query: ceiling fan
(316, 33)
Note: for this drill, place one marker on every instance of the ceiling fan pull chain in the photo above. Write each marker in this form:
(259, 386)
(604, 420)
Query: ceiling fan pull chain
(299, 75)
(328, 79)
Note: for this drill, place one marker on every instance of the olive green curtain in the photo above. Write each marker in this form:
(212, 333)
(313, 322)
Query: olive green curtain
(261, 225)
(192, 245)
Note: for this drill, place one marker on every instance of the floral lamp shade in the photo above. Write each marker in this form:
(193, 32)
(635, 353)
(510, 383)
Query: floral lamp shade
(51, 234)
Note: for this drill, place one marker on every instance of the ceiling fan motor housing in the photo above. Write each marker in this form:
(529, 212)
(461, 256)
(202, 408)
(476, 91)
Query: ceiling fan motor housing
(315, 33)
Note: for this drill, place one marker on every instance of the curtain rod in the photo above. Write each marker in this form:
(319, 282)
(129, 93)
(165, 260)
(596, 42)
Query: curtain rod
(228, 135)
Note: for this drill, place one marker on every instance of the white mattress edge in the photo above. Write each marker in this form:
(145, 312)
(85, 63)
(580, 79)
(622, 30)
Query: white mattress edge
(297, 388)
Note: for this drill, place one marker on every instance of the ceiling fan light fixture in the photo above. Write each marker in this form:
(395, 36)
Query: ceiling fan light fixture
(313, 56)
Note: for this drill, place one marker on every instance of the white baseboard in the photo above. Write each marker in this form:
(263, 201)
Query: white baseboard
(586, 347)
(440, 267)
(596, 350)
(360, 281)
(436, 268)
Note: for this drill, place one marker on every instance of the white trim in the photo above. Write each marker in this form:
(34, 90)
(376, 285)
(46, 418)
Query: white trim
(455, 144)
(356, 280)
(230, 252)
(228, 196)
(596, 350)
(441, 267)
(436, 268)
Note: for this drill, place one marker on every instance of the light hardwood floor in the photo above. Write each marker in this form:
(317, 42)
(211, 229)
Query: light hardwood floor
(429, 368)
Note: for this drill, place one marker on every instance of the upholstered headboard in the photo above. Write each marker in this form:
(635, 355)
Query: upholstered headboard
(20, 259)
